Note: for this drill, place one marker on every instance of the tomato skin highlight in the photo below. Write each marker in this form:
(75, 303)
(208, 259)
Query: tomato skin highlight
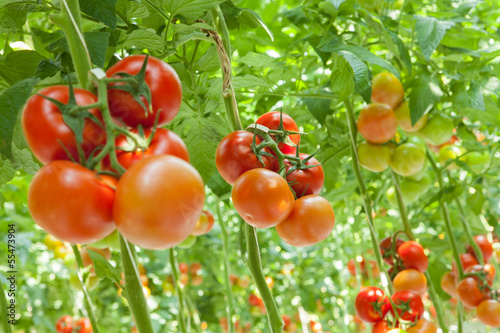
(364, 304)
(410, 279)
(311, 221)
(387, 89)
(43, 125)
(413, 256)
(157, 214)
(307, 181)
(377, 123)
(165, 87)
(416, 306)
(71, 203)
(488, 312)
(272, 121)
(262, 198)
(234, 156)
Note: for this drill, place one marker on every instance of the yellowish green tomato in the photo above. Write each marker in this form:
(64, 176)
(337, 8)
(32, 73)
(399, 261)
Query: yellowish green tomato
(373, 157)
(425, 183)
(404, 119)
(438, 130)
(419, 175)
(449, 152)
(407, 159)
(410, 191)
(478, 162)
(188, 242)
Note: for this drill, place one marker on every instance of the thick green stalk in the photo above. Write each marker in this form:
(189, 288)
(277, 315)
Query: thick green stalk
(133, 289)
(222, 28)
(431, 288)
(227, 281)
(6, 328)
(178, 290)
(87, 302)
(351, 121)
(69, 19)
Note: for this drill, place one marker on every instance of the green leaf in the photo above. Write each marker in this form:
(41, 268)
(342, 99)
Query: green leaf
(218, 185)
(249, 15)
(97, 44)
(361, 76)
(341, 79)
(249, 82)
(131, 9)
(23, 158)
(336, 3)
(13, 15)
(403, 51)
(451, 192)
(7, 171)
(185, 29)
(19, 65)
(429, 32)
(257, 60)
(102, 10)
(471, 98)
(476, 200)
(145, 39)
(209, 61)
(102, 267)
(190, 9)
(425, 92)
(11, 100)
(319, 107)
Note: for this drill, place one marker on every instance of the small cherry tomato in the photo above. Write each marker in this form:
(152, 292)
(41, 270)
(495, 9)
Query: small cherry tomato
(488, 312)
(386, 246)
(469, 292)
(449, 285)
(387, 89)
(305, 181)
(408, 304)
(83, 325)
(423, 326)
(404, 119)
(204, 224)
(372, 304)
(377, 123)
(407, 159)
(64, 324)
(410, 279)
(272, 121)
(413, 256)
(484, 245)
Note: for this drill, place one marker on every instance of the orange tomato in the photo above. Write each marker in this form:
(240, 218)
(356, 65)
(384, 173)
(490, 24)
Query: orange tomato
(410, 279)
(387, 89)
(377, 123)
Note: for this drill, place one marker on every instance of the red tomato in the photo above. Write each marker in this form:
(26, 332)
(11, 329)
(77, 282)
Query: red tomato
(386, 245)
(449, 285)
(255, 300)
(272, 121)
(413, 256)
(204, 224)
(71, 203)
(423, 326)
(469, 292)
(163, 142)
(158, 201)
(46, 132)
(381, 327)
(83, 325)
(372, 304)
(488, 312)
(484, 245)
(488, 270)
(387, 89)
(311, 221)
(234, 156)
(165, 87)
(262, 198)
(377, 123)
(410, 279)
(467, 260)
(307, 181)
(408, 304)
(64, 324)
(351, 267)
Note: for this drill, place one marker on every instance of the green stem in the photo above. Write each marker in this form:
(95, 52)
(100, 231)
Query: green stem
(6, 327)
(367, 204)
(431, 288)
(69, 19)
(227, 280)
(222, 29)
(87, 302)
(133, 288)
(178, 290)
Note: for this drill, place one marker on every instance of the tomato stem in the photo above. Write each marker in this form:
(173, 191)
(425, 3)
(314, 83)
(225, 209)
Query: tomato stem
(6, 328)
(178, 290)
(86, 298)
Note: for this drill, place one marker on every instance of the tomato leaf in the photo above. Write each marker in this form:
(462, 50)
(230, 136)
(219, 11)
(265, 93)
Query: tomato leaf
(23, 158)
(103, 269)
(319, 107)
(13, 14)
(429, 32)
(97, 44)
(19, 65)
(102, 10)
(476, 200)
(146, 39)
(190, 9)
(341, 79)
(425, 92)
(218, 185)
(469, 98)
(7, 171)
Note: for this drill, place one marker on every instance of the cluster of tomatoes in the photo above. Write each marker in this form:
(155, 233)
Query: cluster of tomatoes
(69, 130)
(475, 289)
(66, 324)
(409, 262)
(368, 269)
(274, 185)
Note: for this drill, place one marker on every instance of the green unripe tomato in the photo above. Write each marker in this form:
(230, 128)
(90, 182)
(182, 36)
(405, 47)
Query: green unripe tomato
(407, 159)
(410, 191)
(418, 141)
(425, 183)
(478, 162)
(373, 157)
(188, 242)
(390, 194)
(404, 118)
(449, 152)
(438, 130)
(421, 174)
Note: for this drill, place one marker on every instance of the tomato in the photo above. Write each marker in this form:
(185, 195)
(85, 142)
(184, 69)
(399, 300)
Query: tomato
(163, 142)
(410, 191)
(407, 159)
(488, 312)
(195, 268)
(372, 304)
(404, 118)
(311, 221)
(467, 260)
(165, 87)
(413, 256)
(306, 181)
(204, 224)
(87, 261)
(71, 203)
(255, 300)
(351, 266)
(408, 304)
(377, 123)
(196, 280)
(51, 242)
(387, 89)
(272, 121)
(158, 201)
(438, 130)
(381, 327)
(488, 270)
(183, 268)
(484, 245)
(64, 324)
(410, 279)
(234, 156)
(449, 285)
(449, 152)
(373, 157)
(46, 132)
(386, 245)
(423, 326)
(469, 292)
(262, 198)
(83, 325)
(478, 162)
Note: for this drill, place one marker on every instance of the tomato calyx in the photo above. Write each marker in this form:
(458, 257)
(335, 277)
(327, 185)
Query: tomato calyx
(378, 306)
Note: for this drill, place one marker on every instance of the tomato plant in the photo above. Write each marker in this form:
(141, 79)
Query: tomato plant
(409, 305)
(407, 159)
(410, 279)
(272, 121)
(413, 256)
(377, 123)
(372, 304)
(373, 157)
(387, 89)
(308, 180)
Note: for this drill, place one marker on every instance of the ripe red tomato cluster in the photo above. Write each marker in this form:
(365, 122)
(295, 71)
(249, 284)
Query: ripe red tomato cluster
(475, 289)
(66, 324)
(76, 204)
(262, 197)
